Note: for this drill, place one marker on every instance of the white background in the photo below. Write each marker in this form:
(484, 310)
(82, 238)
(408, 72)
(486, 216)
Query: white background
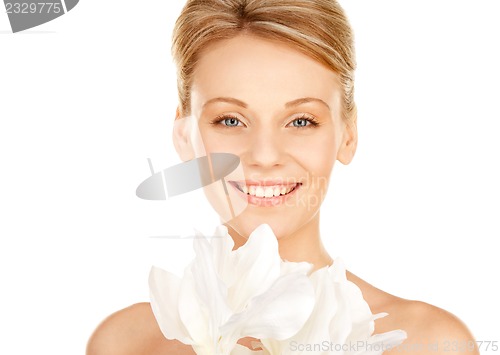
(88, 97)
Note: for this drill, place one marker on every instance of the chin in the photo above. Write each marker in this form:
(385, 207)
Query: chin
(245, 224)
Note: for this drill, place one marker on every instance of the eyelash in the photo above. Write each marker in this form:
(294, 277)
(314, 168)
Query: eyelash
(219, 119)
(312, 121)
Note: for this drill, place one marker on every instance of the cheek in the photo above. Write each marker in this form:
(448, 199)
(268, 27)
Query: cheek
(318, 161)
(214, 142)
(320, 155)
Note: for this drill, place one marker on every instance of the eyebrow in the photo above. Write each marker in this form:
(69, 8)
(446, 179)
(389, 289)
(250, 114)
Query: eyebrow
(290, 104)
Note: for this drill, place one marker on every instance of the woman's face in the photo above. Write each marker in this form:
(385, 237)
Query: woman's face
(280, 112)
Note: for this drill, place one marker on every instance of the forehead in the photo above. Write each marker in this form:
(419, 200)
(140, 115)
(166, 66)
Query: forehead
(261, 72)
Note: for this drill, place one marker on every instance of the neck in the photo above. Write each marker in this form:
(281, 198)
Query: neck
(305, 245)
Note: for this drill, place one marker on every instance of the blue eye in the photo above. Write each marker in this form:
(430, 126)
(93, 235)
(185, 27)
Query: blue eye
(226, 121)
(300, 122)
(304, 122)
(230, 122)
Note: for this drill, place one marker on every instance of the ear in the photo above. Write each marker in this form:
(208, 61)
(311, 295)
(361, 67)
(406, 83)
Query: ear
(349, 143)
(182, 138)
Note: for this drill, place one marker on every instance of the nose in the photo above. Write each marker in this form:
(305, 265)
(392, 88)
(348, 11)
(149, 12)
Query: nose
(265, 148)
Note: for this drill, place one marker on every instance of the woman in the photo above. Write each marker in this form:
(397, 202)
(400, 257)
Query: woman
(272, 82)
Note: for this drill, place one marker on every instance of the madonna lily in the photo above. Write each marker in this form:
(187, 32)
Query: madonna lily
(225, 295)
(340, 322)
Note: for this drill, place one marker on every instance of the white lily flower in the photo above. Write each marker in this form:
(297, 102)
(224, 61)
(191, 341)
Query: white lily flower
(225, 295)
(340, 323)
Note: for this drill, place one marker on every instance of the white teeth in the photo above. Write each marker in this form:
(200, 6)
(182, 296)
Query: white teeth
(266, 191)
(269, 192)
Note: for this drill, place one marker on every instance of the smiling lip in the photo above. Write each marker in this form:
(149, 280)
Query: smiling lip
(265, 193)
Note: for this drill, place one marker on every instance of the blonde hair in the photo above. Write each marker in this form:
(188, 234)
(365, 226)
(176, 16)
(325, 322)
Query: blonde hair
(318, 28)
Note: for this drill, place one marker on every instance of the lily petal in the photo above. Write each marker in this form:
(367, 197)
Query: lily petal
(278, 313)
(193, 312)
(257, 264)
(353, 309)
(315, 329)
(209, 287)
(164, 296)
(222, 246)
(288, 267)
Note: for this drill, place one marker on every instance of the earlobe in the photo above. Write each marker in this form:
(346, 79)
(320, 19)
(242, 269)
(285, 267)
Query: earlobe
(349, 141)
(181, 137)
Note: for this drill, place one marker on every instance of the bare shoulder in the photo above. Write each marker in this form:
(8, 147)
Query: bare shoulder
(132, 330)
(430, 329)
